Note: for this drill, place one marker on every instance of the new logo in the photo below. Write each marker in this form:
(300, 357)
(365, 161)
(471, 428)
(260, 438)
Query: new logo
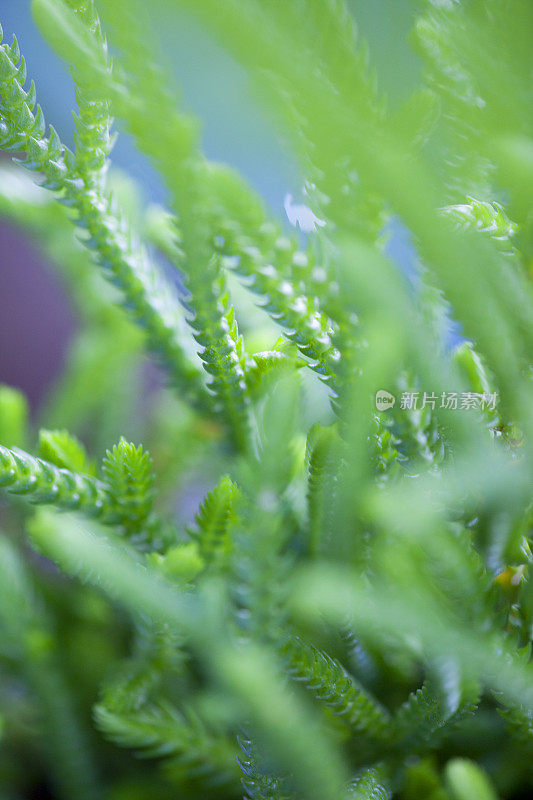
(384, 400)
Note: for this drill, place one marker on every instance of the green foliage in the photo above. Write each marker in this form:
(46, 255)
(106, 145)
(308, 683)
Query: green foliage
(63, 450)
(370, 786)
(43, 482)
(422, 780)
(257, 783)
(350, 612)
(332, 685)
(429, 710)
(520, 725)
(321, 459)
(160, 731)
(128, 473)
(466, 779)
(29, 643)
(267, 366)
(13, 417)
(214, 519)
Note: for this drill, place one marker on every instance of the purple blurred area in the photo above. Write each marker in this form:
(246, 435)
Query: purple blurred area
(36, 322)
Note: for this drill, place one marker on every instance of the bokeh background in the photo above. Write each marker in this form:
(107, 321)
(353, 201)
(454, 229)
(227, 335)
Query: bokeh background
(37, 321)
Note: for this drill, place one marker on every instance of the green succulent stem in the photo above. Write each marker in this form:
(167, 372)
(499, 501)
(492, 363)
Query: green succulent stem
(42, 482)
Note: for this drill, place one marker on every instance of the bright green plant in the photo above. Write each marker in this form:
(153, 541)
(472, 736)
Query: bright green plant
(350, 613)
